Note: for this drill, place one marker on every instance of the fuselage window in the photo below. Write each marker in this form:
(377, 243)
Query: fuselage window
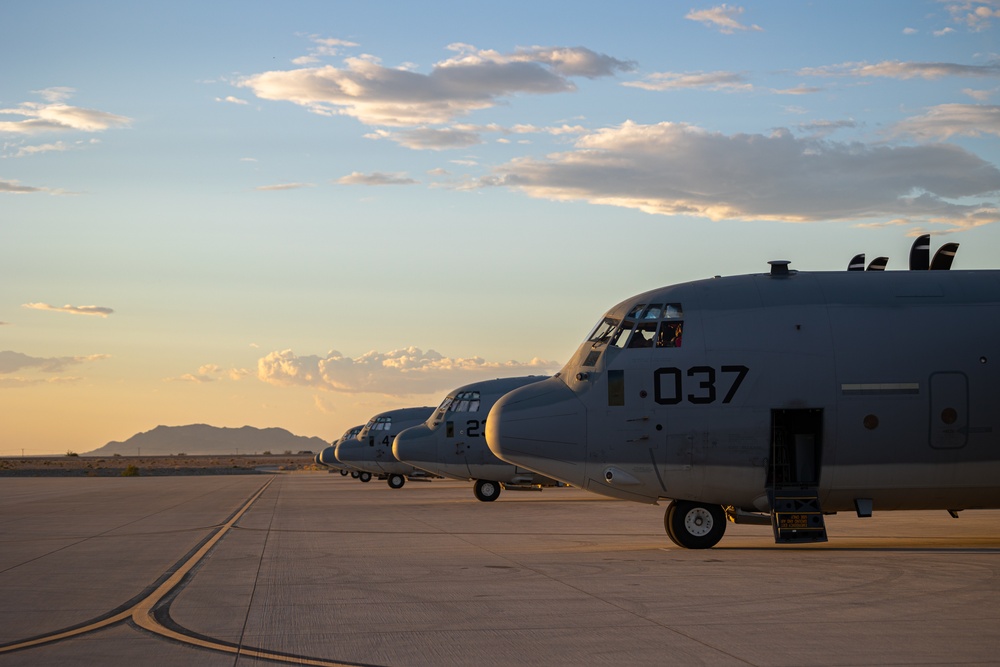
(670, 334)
(673, 311)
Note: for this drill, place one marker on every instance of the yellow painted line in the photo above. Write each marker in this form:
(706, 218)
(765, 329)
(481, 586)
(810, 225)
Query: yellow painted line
(68, 633)
(142, 614)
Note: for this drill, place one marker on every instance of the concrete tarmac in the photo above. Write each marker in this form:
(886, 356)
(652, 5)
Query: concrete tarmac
(320, 569)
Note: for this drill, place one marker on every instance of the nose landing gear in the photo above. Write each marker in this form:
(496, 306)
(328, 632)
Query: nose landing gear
(694, 525)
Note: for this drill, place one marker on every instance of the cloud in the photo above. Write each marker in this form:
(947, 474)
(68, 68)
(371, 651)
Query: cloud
(99, 311)
(897, 69)
(27, 150)
(948, 120)
(19, 382)
(424, 138)
(212, 372)
(231, 100)
(474, 79)
(797, 90)
(724, 18)
(11, 362)
(376, 178)
(717, 81)
(56, 116)
(679, 169)
(978, 95)
(464, 135)
(398, 373)
(15, 187)
(977, 16)
(323, 47)
(823, 128)
(283, 186)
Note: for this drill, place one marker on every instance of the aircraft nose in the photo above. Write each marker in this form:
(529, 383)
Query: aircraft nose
(543, 427)
(327, 457)
(415, 446)
(347, 452)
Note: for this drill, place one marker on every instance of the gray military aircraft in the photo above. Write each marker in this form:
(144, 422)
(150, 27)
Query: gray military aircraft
(328, 457)
(452, 442)
(371, 451)
(776, 398)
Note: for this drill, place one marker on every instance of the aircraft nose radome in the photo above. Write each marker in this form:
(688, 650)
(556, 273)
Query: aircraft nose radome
(328, 456)
(347, 452)
(541, 426)
(414, 445)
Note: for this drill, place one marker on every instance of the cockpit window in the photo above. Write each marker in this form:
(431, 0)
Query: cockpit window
(643, 335)
(620, 336)
(603, 331)
(654, 311)
(646, 325)
(670, 334)
(466, 401)
(379, 424)
(463, 401)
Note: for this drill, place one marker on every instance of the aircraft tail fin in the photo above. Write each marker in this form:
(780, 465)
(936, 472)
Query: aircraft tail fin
(878, 264)
(857, 263)
(920, 253)
(944, 257)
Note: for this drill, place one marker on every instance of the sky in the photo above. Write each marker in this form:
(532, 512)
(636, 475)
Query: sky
(301, 214)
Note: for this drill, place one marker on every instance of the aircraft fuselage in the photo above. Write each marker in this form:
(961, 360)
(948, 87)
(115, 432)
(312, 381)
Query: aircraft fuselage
(879, 387)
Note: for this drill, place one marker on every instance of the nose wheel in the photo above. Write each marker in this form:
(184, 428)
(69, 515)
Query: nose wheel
(486, 490)
(694, 525)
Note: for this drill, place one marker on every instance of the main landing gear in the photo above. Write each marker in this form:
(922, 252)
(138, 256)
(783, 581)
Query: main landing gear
(694, 525)
(365, 477)
(486, 490)
(396, 481)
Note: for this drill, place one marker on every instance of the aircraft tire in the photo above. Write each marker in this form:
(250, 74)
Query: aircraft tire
(694, 525)
(396, 481)
(344, 472)
(365, 477)
(486, 490)
(354, 474)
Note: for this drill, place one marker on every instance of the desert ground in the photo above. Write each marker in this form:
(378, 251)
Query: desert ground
(179, 464)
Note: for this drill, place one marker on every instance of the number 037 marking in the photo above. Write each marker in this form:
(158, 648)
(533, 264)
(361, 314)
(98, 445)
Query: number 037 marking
(669, 384)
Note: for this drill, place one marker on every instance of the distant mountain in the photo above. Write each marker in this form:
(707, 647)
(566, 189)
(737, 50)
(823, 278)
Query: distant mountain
(205, 439)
